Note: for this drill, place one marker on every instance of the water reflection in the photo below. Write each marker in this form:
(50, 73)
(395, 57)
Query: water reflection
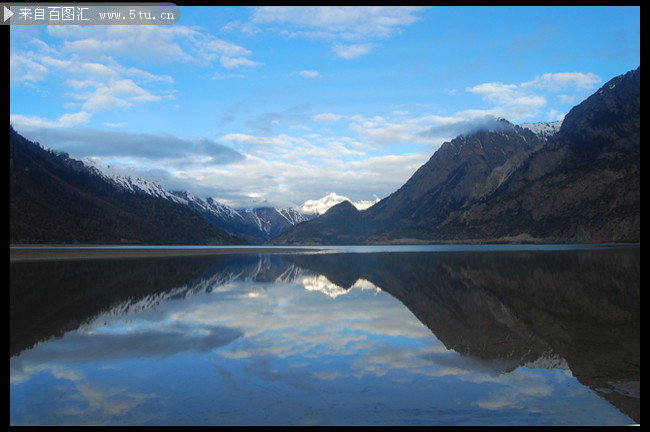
(367, 338)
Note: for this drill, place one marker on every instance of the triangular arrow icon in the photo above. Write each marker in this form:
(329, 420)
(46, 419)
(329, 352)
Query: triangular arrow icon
(8, 13)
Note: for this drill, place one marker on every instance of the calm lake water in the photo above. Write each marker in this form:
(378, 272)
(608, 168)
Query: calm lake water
(536, 335)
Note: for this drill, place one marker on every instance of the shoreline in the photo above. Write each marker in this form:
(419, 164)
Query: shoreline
(52, 252)
(23, 253)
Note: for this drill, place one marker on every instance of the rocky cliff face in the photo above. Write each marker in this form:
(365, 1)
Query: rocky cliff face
(506, 183)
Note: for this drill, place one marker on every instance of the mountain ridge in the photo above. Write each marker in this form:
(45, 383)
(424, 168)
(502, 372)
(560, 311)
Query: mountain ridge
(253, 225)
(509, 184)
(56, 199)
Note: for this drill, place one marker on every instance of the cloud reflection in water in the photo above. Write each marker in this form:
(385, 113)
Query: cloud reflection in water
(291, 349)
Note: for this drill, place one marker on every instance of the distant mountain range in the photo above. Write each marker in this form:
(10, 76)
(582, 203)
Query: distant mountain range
(254, 225)
(507, 183)
(57, 199)
(577, 180)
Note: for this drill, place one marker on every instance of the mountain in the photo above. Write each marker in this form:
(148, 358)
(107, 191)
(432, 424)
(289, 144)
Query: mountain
(251, 225)
(467, 168)
(255, 225)
(341, 224)
(583, 186)
(31, 211)
(511, 183)
(320, 206)
(56, 199)
(273, 221)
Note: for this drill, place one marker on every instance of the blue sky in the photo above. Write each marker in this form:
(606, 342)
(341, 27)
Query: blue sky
(280, 105)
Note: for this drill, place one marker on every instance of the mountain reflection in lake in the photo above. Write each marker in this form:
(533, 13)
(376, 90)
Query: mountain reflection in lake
(548, 337)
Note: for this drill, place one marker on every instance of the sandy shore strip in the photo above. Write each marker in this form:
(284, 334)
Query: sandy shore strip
(55, 253)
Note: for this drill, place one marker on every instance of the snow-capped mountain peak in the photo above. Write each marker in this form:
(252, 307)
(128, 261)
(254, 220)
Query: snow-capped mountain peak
(320, 206)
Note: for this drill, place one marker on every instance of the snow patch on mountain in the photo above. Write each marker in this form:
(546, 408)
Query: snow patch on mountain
(543, 130)
(140, 185)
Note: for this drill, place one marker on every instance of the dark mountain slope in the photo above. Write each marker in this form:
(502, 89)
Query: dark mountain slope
(56, 199)
(583, 186)
(504, 183)
(341, 224)
(461, 171)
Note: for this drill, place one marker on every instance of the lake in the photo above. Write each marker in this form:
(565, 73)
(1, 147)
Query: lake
(426, 335)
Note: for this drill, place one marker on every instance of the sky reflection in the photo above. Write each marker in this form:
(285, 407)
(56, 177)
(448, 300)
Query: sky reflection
(295, 350)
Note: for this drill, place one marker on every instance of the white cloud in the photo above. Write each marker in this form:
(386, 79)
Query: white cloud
(309, 74)
(80, 84)
(385, 132)
(114, 125)
(23, 69)
(327, 117)
(147, 77)
(95, 81)
(65, 120)
(235, 62)
(94, 49)
(347, 22)
(352, 51)
(495, 91)
(86, 68)
(114, 94)
(520, 101)
(152, 43)
(103, 100)
(295, 169)
(130, 89)
(280, 141)
(339, 24)
(226, 48)
(563, 80)
(246, 27)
